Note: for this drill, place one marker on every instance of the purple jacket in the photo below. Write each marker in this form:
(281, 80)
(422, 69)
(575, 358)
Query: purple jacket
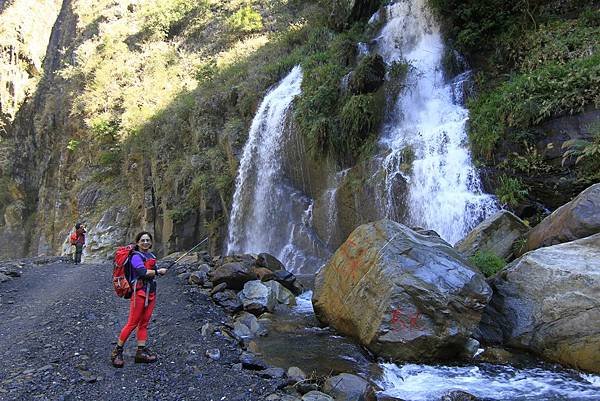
(138, 270)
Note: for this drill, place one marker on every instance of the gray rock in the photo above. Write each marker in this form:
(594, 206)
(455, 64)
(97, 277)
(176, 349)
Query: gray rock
(241, 330)
(281, 294)
(459, 396)
(316, 396)
(296, 373)
(272, 373)
(229, 300)
(257, 298)
(251, 362)
(347, 387)
(213, 353)
(250, 321)
(218, 288)
(198, 278)
(269, 261)
(404, 295)
(547, 302)
(234, 274)
(497, 234)
(577, 219)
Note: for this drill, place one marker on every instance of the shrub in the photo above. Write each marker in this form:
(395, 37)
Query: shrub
(488, 262)
(245, 20)
(532, 97)
(511, 191)
(360, 118)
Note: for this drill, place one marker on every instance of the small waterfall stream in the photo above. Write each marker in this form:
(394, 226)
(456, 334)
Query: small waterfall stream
(268, 214)
(428, 125)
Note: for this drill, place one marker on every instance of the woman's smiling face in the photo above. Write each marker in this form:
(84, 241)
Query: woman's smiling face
(145, 243)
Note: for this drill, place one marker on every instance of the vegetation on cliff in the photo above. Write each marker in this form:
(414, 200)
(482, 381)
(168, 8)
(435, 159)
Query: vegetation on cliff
(537, 60)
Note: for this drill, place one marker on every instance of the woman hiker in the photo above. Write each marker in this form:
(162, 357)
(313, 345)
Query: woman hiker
(143, 272)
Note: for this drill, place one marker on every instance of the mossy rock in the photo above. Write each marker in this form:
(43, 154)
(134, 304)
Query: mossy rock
(368, 75)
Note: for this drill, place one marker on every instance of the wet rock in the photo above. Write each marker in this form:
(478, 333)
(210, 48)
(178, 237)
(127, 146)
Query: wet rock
(229, 300)
(234, 274)
(316, 396)
(384, 397)
(288, 280)
(458, 396)
(281, 294)
(269, 261)
(263, 273)
(497, 234)
(577, 219)
(251, 362)
(249, 321)
(272, 373)
(347, 387)
(258, 298)
(547, 302)
(404, 295)
(345, 12)
(4, 278)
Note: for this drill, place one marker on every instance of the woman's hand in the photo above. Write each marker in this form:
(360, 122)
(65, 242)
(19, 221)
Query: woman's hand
(162, 271)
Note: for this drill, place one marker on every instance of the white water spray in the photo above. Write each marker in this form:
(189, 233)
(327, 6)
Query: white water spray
(428, 123)
(268, 215)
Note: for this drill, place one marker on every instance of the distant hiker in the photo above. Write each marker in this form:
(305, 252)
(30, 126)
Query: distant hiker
(78, 239)
(142, 271)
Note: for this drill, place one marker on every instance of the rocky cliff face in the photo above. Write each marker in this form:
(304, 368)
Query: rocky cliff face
(25, 35)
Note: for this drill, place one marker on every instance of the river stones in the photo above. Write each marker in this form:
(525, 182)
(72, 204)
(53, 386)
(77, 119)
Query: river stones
(577, 219)
(347, 387)
(547, 301)
(234, 274)
(496, 234)
(404, 295)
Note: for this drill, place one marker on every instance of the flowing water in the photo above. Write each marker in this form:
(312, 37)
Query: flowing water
(426, 129)
(413, 382)
(268, 214)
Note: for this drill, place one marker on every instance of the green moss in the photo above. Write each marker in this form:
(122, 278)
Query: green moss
(487, 262)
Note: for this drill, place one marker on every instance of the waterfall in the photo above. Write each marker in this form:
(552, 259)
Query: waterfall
(428, 125)
(268, 214)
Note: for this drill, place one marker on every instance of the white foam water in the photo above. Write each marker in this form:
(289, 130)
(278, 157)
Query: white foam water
(412, 382)
(428, 122)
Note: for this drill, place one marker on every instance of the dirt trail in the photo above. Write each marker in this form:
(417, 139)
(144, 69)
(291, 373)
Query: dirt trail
(58, 324)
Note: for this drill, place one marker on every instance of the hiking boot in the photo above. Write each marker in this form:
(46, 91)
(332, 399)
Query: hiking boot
(117, 357)
(144, 355)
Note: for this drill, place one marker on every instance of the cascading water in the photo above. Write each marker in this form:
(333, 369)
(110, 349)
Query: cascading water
(268, 214)
(427, 125)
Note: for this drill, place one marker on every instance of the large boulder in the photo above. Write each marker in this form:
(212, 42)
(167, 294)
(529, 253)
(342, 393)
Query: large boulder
(404, 295)
(577, 219)
(496, 234)
(547, 302)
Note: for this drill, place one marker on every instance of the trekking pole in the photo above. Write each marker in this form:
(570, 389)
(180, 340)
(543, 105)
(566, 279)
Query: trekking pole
(187, 253)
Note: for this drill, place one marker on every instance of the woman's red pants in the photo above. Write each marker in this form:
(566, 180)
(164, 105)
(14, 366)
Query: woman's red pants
(139, 316)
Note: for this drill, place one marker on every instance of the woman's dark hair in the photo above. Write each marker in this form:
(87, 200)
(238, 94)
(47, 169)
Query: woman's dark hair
(139, 236)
